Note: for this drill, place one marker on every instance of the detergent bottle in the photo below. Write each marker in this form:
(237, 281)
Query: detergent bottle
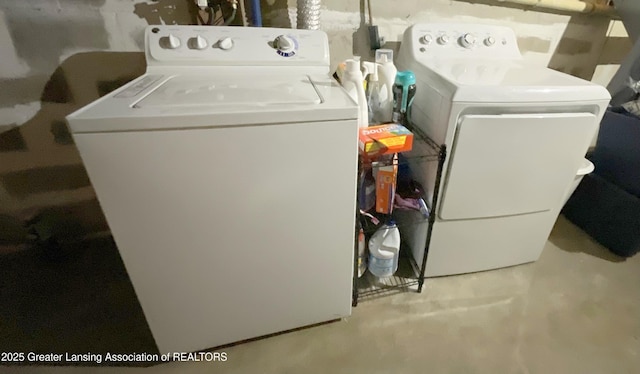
(387, 71)
(374, 93)
(404, 90)
(353, 82)
(384, 250)
(367, 190)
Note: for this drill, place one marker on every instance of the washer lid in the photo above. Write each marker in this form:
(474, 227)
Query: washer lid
(226, 98)
(228, 92)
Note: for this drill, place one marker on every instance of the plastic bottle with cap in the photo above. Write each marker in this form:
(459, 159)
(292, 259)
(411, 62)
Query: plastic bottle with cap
(352, 81)
(373, 93)
(384, 250)
(404, 91)
(387, 71)
(367, 190)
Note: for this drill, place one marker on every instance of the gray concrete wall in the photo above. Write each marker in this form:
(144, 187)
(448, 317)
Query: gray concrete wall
(566, 42)
(60, 55)
(629, 11)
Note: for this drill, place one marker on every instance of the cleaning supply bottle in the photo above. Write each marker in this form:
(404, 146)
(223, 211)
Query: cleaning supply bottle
(353, 82)
(373, 93)
(387, 71)
(367, 198)
(362, 253)
(340, 69)
(384, 250)
(404, 91)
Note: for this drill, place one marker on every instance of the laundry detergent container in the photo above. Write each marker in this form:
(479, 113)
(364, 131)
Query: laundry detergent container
(586, 168)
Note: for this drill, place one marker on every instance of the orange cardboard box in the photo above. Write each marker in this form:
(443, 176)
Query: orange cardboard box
(386, 176)
(384, 139)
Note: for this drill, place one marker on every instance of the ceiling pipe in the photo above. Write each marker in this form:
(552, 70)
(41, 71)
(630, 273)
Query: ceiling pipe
(574, 6)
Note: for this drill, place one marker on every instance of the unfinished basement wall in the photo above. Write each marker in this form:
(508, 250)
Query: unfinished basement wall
(570, 43)
(60, 55)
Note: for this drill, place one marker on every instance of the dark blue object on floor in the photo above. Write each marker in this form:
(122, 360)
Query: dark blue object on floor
(606, 204)
(617, 153)
(607, 213)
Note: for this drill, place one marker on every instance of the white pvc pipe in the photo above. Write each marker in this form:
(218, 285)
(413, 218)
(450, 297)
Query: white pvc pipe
(565, 5)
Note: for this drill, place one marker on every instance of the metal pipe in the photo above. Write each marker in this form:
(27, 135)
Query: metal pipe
(256, 13)
(566, 5)
(243, 14)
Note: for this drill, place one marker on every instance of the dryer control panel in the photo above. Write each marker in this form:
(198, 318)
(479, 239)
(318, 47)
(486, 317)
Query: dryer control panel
(451, 40)
(235, 46)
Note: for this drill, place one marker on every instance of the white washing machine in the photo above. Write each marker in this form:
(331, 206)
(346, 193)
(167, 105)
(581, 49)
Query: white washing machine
(516, 135)
(227, 174)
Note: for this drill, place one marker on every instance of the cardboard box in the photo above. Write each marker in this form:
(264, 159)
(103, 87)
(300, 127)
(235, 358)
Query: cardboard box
(386, 174)
(384, 139)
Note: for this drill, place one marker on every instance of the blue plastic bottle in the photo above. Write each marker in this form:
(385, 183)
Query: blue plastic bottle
(404, 90)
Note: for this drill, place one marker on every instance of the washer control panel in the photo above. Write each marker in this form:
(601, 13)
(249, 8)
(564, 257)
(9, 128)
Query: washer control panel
(460, 39)
(206, 45)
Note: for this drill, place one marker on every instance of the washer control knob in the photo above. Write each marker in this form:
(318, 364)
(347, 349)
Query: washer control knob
(199, 42)
(225, 43)
(443, 39)
(173, 41)
(489, 41)
(467, 40)
(284, 43)
(426, 39)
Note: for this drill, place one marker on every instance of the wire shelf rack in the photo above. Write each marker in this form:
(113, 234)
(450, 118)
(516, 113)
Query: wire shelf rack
(410, 275)
(405, 279)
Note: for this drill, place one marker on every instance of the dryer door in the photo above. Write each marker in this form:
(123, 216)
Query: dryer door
(511, 164)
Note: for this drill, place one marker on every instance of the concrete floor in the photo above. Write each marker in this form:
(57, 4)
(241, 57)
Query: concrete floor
(577, 310)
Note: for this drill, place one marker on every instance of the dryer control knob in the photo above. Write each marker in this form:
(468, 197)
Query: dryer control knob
(467, 40)
(173, 41)
(443, 39)
(284, 43)
(426, 39)
(199, 42)
(225, 44)
(489, 41)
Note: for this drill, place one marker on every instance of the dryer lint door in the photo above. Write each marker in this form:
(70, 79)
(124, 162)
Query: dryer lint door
(512, 164)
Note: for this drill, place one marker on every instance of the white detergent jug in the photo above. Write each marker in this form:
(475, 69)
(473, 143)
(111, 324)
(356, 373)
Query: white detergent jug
(384, 249)
(387, 72)
(353, 82)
